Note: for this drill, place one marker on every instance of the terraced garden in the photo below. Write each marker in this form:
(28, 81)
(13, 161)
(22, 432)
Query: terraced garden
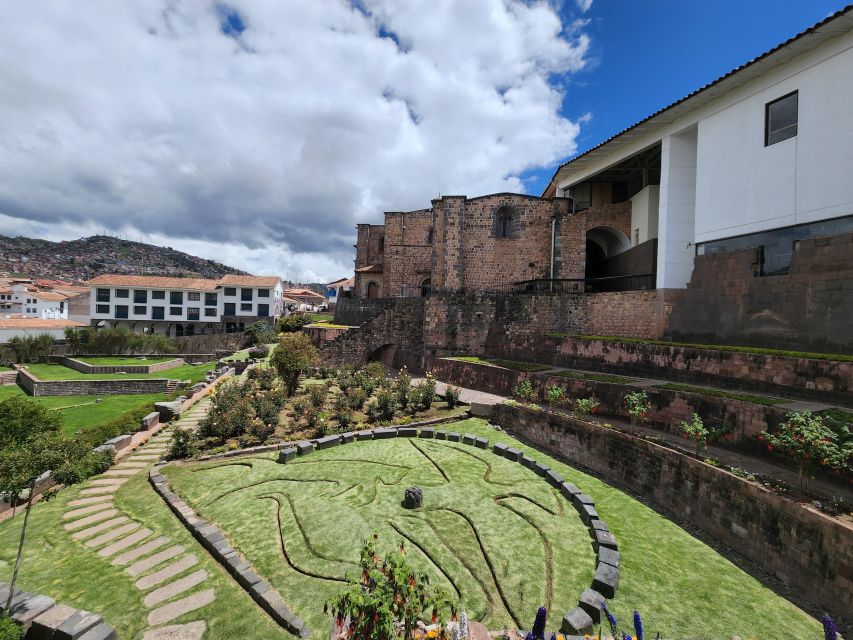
(492, 533)
(194, 373)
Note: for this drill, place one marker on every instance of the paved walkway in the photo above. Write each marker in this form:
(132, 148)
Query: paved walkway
(467, 395)
(165, 573)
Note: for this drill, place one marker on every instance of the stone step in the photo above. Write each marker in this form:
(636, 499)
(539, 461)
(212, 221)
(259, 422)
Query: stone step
(189, 631)
(113, 473)
(112, 534)
(166, 573)
(88, 533)
(102, 490)
(129, 556)
(169, 591)
(152, 561)
(176, 609)
(100, 482)
(131, 465)
(82, 511)
(124, 543)
(92, 519)
(79, 502)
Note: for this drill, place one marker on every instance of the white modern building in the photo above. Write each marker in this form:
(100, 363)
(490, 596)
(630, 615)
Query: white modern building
(34, 327)
(184, 306)
(761, 157)
(28, 301)
(335, 290)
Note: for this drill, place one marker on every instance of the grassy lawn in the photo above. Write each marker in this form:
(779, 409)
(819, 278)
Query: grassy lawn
(842, 357)
(719, 393)
(56, 565)
(595, 377)
(327, 325)
(120, 362)
(194, 373)
(319, 317)
(504, 364)
(491, 532)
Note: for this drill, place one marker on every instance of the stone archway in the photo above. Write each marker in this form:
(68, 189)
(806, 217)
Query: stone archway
(372, 291)
(602, 243)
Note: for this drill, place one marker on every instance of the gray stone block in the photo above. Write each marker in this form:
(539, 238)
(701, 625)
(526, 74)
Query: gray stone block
(582, 498)
(468, 438)
(328, 441)
(364, 435)
(304, 448)
(259, 588)
(99, 632)
(606, 580)
(286, 455)
(609, 556)
(454, 436)
(591, 602)
(28, 608)
(427, 432)
(577, 621)
(569, 490)
(104, 448)
(44, 626)
(407, 432)
(597, 524)
(541, 469)
(248, 578)
(481, 442)
(482, 410)
(554, 478)
(149, 421)
(527, 461)
(77, 625)
(587, 513)
(347, 437)
(441, 435)
(382, 434)
(513, 454)
(120, 442)
(500, 448)
(603, 538)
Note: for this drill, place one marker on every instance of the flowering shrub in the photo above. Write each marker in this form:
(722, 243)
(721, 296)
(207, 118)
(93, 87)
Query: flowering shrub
(585, 406)
(638, 406)
(317, 395)
(403, 388)
(695, 429)
(524, 390)
(805, 438)
(555, 395)
(451, 396)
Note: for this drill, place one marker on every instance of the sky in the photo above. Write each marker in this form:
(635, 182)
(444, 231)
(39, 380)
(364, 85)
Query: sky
(259, 132)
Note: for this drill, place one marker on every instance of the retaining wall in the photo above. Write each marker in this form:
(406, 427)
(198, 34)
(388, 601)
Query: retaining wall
(90, 369)
(808, 551)
(35, 387)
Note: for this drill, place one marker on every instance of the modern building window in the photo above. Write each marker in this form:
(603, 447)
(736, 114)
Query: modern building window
(140, 310)
(230, 291)
(140, 296)
(158, 295)
(263, 310)
(122, 293)
(176, 297)
(781, 119)
(193, 313)
(245, 306)
(246, 295)
(121, 311)
(210, 313)
(158, 313)
(102, 308)
(211, 299)
(175, 311)
(193, 296)
(263, 293)
(103, 295)
(230, 308)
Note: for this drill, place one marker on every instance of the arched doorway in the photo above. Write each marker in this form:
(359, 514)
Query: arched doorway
(426, 287)
(602, 244)
(372, 291)
(179, 330)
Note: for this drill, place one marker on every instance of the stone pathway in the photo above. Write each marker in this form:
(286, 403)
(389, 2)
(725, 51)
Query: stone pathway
(170, 586)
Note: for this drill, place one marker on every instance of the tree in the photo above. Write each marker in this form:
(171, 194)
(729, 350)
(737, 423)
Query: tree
(696, 430)
(18, 414)
(157, 343)
(294, 354)
(24, 348)
(77, 340)
(389, 592)
(805, 438)
(259, 333)
(44, 344)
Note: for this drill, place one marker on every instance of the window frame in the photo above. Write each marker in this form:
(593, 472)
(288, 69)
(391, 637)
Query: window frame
(137, 312)
(231, 292)
(102, 295)
(102, 309)
(263, 310)
(193, 296)
(233, 309)
(172, 311)
(176, 295)
(795, 126)
(121, 311)
(211, 296)
(158, 313)
(158, 295)
(122, 293)
(245, 306)
(194, 313)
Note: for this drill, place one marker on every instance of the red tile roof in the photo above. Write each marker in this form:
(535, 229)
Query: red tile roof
(36, 323)
(158, 282)
(249, 281)
(302, 292)
(373, 268)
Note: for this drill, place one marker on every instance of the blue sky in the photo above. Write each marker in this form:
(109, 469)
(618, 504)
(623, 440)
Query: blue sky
(646, 55)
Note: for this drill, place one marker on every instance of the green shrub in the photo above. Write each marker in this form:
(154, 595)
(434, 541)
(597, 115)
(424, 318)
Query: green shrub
(180, 445)
(585, 406)
(356, 397)
(524, 390)
(386, 403)
(300, 407)
(292, 323)
(317, 395)
(344, 418)
(372, 410)
(423, 394)
(9, 629)
(260, 430)
(638, 406)
(83, 463)
(376, 370)
(695, 429)
(403, 388)
(555, 395)
(451, 396)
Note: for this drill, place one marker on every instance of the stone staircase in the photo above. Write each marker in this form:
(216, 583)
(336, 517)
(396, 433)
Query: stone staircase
(171, 385)
(164, 572)
(8, 377)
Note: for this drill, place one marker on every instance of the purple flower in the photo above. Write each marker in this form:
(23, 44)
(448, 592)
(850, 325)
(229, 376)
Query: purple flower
(830, 632)
(638, 625)
(610, 617)
(539, 624)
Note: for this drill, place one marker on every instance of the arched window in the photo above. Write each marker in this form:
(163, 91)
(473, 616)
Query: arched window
(179, 330)
(426, 287)
(372, 291)
(505, 217)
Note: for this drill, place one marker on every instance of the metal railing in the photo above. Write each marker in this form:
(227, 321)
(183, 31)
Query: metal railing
(633, 282)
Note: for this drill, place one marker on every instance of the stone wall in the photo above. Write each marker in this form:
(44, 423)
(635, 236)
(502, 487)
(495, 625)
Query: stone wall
(35, 387)
(813, 378)
(810, 552)
(408, 252)
(85, 367)
(355, 311)
(573, 230)
(809, 309)
(321, 335)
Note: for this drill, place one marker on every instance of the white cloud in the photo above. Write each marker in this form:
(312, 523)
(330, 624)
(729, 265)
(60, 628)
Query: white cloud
(584, 5)
(264, 150)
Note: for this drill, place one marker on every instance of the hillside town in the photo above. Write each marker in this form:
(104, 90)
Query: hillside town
(620, 407)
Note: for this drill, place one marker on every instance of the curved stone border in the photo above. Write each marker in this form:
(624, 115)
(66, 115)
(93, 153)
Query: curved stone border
(42, 617)
(588, 612)
(213, 539)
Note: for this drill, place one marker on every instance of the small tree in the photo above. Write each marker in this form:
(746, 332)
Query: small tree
(294, 354)
(388, 594)
(805, 438)
(695, 429)
(524, 390)
(638, 406)
(23, 347)
(44, 344)
(259, 333)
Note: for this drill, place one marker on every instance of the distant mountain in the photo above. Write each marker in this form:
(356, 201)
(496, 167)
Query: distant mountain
(89, 257)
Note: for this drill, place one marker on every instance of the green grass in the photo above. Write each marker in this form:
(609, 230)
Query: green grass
(841, 357)
(328, 325)
(595, 377)
(319, 317)
(330, 502)
(505, 364)
(57, 566)
(838, 414)
(719, 393)
(194, 373)
(121, 362)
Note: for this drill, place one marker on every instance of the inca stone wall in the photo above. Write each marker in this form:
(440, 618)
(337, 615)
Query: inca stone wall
(808, 551)
(408, 252)
(35, 387)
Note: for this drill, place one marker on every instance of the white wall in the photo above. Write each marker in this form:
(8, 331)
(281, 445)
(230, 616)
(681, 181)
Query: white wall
(8, 334)
(644, 214)
(676, 213)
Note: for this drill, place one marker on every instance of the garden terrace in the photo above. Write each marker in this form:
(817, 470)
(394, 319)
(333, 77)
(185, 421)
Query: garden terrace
(496, 535)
